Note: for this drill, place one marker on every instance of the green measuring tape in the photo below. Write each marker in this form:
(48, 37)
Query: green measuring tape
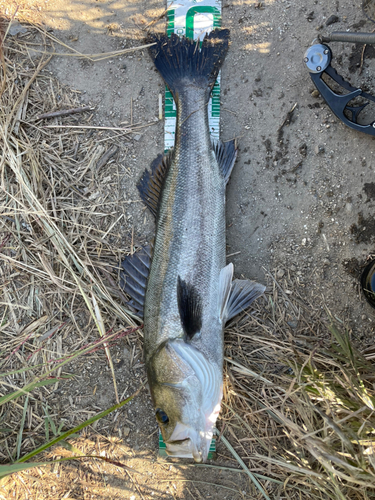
(192, 18)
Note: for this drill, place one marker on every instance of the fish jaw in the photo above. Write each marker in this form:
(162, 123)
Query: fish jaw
(183, 443)
(186, 442)
(192, 439)
(190, 395)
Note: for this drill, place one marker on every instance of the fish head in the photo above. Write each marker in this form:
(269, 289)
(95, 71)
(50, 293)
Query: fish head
(186, 389)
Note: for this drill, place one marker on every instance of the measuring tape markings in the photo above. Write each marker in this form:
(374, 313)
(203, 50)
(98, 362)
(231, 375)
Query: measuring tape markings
(186, 18)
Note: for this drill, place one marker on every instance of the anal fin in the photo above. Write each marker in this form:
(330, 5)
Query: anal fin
(151, 183)
(133, 278)
(226, 154)
(242, 294)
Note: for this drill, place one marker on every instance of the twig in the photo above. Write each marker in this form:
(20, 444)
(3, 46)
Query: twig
(91, 57)
(2, 40)
(288, 117)
(89, 127)
(134, 481)
(28, 85)
(102, 334)
(64, 112)
(110, 461)
(363, 55)
(5, 240)
(93, 127)
(105, 158)
(151, 23)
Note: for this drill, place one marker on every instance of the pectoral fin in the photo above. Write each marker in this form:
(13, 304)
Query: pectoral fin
(242, 294)
(133, 278)
(225, 284)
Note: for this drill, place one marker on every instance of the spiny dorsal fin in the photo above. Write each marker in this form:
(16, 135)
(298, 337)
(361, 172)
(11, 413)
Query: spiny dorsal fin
(151, 183)
(242, 294)
(226, 154)
(190, 308)
(133, 278)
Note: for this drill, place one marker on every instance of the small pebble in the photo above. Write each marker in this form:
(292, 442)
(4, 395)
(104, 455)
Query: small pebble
(310, 16)
(332, 20)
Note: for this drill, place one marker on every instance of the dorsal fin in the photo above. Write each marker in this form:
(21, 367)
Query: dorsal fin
(190, 308)
(133, 278)
(226, 154)
(151, 183)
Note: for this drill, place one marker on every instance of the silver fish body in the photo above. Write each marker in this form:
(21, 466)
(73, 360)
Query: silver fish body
(190, 233)
(190, 294)
(190, 244)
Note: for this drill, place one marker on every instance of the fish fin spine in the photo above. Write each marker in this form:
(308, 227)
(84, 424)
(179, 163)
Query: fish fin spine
(181, 59)
(190, 308)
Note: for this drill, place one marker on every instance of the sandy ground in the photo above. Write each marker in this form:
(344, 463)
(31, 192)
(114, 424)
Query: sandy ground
(301, 196)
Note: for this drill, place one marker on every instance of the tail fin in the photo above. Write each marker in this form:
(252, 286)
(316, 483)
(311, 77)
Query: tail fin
(181, 59)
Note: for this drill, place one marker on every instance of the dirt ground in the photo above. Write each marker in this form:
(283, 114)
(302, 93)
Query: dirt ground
(300, 200)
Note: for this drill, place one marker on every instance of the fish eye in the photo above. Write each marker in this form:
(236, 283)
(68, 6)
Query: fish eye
(161, 416)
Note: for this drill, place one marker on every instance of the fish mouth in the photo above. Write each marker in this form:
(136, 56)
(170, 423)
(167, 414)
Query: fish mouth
(184, 448)
(186, 442)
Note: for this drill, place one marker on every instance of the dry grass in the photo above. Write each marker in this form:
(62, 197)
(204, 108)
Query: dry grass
(302, 398)
(26, 11)
(299, 399)
(61, 241)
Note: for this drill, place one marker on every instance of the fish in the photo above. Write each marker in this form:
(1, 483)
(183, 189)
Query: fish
(181, 285)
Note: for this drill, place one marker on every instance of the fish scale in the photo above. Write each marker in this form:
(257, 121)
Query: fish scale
(192, 220)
